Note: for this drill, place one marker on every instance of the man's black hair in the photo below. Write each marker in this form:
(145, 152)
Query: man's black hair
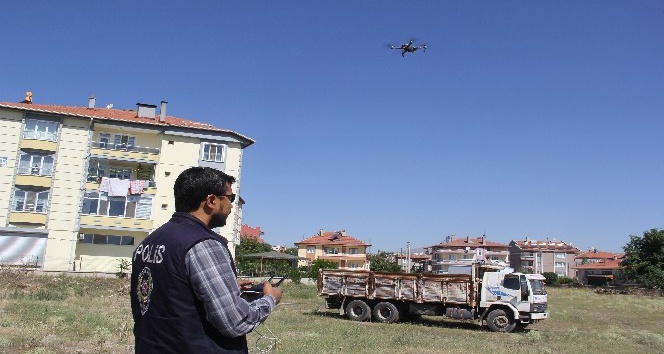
(194, 184)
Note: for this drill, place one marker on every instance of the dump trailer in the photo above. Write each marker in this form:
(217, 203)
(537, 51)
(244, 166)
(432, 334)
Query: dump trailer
(487, 294)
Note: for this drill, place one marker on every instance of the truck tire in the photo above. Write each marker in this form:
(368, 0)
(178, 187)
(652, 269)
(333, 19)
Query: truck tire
(499, 321)
(358, 310)
(386, 312)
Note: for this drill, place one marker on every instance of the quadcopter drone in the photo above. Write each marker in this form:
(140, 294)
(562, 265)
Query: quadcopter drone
(409, 47)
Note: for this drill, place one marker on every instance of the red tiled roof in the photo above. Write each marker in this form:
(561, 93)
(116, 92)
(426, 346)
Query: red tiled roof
(251, 232)
(472, 242)
(115, 115)
(329, 238)
(604, 264)
(545, 245)
(599, 255)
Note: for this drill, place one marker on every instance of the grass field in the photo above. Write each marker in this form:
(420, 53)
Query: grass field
(63, 314)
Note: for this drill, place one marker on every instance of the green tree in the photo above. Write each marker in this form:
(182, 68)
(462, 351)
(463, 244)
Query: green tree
(551, 277)
(381, 262)
(251, 266)
(291, 250)
(312, 270)
(644, 259)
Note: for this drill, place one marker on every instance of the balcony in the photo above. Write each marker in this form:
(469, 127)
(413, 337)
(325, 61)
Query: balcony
(27, 216)
(124, 152)
(114, 222)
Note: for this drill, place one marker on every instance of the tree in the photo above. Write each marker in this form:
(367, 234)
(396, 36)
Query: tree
(312, 270)
(248, 266)
(381, 262)
(644, 259)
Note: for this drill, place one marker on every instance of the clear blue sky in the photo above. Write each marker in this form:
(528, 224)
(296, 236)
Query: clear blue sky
(524, 118)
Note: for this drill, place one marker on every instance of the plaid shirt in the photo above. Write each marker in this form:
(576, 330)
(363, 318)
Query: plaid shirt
(213, 280)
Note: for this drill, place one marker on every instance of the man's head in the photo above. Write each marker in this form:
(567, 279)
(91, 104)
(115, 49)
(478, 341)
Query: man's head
(204, 189)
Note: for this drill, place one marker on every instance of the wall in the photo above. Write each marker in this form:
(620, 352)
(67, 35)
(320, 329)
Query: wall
(10, 132)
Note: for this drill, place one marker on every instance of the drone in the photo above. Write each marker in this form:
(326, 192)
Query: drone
(409, 47)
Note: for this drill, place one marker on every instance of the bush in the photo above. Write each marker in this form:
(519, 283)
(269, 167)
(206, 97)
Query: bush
(551, 277)
(565, 280)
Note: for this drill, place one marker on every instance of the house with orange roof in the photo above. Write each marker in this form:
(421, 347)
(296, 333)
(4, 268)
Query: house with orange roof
(334, 246)
(464, 250)
(542, 256)
(83, 185)
(252, 232)
(600, 268)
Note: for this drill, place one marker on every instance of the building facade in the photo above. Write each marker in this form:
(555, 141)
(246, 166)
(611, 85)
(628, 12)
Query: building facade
(464, 250)
(338, 247)
(595, 267)
(543, 256)
(80, 187)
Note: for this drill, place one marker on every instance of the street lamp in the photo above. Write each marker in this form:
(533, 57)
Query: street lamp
(408, 263)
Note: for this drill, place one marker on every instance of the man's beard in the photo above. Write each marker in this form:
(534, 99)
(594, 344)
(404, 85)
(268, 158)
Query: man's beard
(217, 220)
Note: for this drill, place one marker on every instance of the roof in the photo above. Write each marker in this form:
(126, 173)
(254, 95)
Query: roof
(271, 255)
(112, 114)
(331, 238)
(603, 264)
(472, 242)
(544, 245)
(594, 254)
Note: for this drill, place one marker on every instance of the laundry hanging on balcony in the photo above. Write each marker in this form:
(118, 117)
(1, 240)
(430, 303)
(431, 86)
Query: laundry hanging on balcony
(118, 187)
(136, 187)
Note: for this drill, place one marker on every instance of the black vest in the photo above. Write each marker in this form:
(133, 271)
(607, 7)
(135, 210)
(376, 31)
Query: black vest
(168, 317)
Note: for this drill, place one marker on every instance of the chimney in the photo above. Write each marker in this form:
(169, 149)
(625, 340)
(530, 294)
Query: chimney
(91, 102)
(144, 110)
(162, 112)
(483, 239)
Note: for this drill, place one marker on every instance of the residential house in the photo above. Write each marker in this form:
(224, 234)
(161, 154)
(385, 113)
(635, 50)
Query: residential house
(335, 246)
(416, 262)
(82, 186)
(543, 256)
(252, 232)
(595, 267)
(464, 250)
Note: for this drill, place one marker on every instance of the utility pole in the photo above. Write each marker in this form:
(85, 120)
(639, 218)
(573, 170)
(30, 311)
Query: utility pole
(408, 246)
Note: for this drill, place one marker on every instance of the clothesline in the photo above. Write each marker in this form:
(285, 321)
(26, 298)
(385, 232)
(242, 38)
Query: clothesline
(116, 187)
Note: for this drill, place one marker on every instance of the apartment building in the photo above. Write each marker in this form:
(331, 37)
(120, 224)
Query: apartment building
(80, 187)
(335, 246)
(463, 250)
(543, 256)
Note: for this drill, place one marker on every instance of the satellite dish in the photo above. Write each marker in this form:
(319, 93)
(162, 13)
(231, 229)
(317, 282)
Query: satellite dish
(109, 106)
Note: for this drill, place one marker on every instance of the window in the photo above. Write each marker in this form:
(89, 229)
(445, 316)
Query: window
(136, 207)
(452, 257)
(512, 282)
(560, 264)
(353, 265)
(560, 255)
(331, 250)
(106, 239)
(41, 130)
(104, 140)
(214, 152)
(31, 201)
(311, 249)
(124, 142)
(352, 251)
(35, 164)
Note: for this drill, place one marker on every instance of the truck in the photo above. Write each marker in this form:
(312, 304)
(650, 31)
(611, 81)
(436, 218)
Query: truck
(490, 295)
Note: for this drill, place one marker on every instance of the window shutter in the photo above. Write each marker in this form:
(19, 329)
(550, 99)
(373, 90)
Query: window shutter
(144, 208)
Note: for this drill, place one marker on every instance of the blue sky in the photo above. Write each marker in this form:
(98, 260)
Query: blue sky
(536, 119)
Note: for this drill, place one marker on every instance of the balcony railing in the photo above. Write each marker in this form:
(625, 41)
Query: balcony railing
(124, 147)
(31, 208)
(38, 135)
(36, 171)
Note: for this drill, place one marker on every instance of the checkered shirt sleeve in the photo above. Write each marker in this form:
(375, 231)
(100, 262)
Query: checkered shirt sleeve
(213, 281)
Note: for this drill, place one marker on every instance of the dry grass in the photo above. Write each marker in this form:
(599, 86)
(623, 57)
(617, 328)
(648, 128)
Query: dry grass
(85, 315)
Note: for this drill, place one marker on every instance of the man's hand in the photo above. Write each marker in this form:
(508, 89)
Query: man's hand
(244, 284)
(268, 289)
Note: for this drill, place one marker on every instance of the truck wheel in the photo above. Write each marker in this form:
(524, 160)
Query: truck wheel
(499, 321)
(386, 312)
(358, 310)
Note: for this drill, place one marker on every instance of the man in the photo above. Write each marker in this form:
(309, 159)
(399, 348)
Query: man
(184, 293)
